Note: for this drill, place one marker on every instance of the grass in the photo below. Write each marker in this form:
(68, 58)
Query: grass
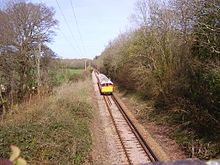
(51, 130)
(75, 71)
(66, 75)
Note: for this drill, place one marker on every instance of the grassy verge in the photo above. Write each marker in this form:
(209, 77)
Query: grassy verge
(52, 130)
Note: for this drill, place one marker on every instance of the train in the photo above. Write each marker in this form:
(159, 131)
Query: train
(106, 86)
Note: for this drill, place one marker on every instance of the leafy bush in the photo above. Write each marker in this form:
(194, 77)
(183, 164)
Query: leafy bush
(172, 58)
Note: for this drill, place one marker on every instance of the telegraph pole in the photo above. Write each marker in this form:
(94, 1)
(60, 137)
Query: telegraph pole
(85, 65)
(38, 63)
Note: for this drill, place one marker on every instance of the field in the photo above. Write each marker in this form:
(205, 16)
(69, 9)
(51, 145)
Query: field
(66, 75)
(53, 128)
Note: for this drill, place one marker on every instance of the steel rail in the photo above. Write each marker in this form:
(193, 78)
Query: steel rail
(141, 140)
(134, 130)
(117, 130)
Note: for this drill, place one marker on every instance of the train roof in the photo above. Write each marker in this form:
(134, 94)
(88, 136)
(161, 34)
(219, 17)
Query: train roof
(103, 79)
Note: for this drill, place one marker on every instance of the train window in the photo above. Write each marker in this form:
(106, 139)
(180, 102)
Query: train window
(106, 84)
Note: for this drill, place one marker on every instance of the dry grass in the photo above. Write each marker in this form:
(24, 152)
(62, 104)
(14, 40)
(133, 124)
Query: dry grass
(51, 130)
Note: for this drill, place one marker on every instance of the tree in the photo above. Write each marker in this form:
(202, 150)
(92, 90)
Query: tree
(205, 82)
(173, 59)
(25, 26)
(207, 30)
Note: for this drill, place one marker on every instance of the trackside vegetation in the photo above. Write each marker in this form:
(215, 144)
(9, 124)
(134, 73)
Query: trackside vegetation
(65, 75)
(25, 59)
(171, 59)
(51, 129)
(45, 108)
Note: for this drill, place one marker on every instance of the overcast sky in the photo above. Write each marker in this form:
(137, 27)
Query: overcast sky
(99, 21)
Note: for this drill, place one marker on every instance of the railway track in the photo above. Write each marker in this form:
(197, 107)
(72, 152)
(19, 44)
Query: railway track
(134, 149)
(134, 146)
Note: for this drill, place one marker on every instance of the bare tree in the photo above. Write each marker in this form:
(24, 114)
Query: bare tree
(142, 13)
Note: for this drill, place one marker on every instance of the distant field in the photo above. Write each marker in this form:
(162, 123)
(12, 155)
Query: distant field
(66, 75)
(75, 71)
(74, 63)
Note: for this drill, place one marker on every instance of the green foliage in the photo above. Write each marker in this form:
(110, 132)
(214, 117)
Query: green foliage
(196, 146)
(55, 130)
(206, 87)
(207, 31)
(205, 71)
(24, 26)
(173, 59)
(65, 75)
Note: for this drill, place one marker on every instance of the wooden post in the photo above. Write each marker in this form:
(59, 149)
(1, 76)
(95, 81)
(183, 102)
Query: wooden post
(38, 64)
(85, 65)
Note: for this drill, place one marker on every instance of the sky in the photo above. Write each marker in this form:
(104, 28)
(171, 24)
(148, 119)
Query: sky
(96, 23)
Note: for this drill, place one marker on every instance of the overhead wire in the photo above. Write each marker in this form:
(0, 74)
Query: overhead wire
(68, 27)
(64, 36)
(77, 26)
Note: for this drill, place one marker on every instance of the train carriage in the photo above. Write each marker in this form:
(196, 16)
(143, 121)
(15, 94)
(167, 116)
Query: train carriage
(105, 85)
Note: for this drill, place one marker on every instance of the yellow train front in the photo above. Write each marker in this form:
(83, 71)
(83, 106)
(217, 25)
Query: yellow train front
(105, 85)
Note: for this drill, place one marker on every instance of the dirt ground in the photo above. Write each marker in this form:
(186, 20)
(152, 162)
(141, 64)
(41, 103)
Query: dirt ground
(99, 150)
